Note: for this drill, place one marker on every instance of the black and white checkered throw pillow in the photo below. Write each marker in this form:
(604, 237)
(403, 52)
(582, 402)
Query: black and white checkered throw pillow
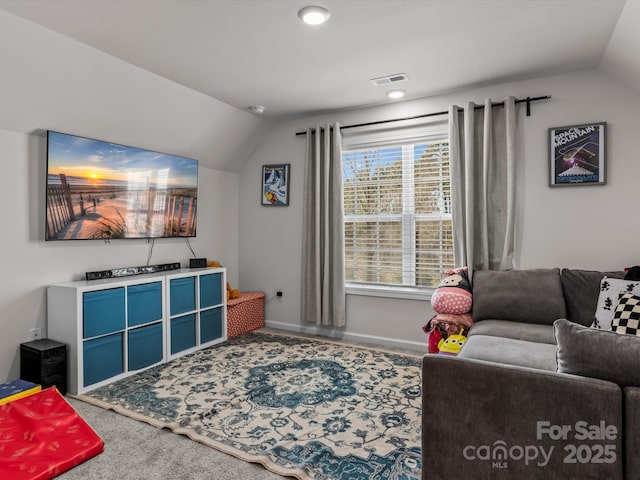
(626, 318)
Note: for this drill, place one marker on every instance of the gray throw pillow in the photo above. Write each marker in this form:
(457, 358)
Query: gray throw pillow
(597, 353)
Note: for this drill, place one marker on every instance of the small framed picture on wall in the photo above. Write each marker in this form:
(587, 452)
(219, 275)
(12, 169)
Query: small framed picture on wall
(577, 155)
(275, 185)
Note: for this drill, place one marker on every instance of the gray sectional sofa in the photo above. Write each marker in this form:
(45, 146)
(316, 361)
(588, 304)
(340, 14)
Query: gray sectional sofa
(534, 393)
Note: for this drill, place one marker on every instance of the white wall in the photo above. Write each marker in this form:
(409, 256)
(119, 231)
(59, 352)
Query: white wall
(52, 82)
(29, 263)
(590, 227)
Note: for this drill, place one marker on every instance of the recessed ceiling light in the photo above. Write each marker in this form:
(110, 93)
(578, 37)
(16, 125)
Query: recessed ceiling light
(314, 15)
(396, 94)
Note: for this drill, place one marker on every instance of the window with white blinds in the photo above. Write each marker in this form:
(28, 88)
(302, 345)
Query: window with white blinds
(397, 214)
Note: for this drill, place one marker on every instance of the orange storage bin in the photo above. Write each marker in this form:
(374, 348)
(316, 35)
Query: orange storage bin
(245, 313)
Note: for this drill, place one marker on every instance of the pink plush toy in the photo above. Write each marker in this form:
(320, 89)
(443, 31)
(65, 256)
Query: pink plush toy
(453, 295)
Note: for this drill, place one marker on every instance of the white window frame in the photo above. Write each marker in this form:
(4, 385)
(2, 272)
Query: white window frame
(407, 139)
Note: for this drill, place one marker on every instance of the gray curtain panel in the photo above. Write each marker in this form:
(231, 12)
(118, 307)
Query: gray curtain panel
(482, 156)
(323, 296)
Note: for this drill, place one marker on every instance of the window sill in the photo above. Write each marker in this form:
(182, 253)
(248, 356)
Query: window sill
(408, 293)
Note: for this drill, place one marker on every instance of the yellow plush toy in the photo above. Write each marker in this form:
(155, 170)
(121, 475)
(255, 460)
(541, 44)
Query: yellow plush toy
(452, 345)
(231, 292)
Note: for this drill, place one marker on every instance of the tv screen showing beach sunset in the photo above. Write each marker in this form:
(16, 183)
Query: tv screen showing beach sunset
(102, 190)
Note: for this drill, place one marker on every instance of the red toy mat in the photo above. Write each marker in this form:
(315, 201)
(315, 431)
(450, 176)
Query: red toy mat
(42, 436)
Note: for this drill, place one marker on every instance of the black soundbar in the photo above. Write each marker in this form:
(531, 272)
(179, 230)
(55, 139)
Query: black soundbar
(130, 271)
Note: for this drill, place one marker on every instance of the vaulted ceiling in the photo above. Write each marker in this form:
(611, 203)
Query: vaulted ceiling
(250, 52)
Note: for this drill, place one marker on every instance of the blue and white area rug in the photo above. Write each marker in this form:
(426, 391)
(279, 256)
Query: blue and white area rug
(301, 407)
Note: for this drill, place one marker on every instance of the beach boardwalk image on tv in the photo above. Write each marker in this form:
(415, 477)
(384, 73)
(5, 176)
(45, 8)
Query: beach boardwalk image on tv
(101, 190)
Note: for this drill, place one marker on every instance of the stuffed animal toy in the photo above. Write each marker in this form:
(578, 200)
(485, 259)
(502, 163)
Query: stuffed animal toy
(452, 345)
(451, 301)
(453, 295)
(632, 273)
(231, 292)
(442, 325)
(453, 324)
(435, 332)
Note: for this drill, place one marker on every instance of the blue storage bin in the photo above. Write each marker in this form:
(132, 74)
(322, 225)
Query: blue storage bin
(183, 333)
(210, 290)
(182, 295)
(103, 311)
(144, 303)
(145, 346)
(210, 324)
(103, 358)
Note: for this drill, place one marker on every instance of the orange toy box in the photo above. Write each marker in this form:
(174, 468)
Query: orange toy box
(245, 313)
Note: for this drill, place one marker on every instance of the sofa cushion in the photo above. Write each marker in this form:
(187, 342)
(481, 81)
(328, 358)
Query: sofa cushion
(597, 353)
(476, 407)
(529, 296)
(530, 332)
(581, 289)
(510, 351)
(610, 290)
(632, 431)
(626, 318)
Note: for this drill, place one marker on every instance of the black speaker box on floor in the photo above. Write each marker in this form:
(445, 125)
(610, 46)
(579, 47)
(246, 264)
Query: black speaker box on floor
(44, 362)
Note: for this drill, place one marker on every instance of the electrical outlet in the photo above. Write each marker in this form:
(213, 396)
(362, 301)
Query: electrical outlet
(279, 296)
(35, 334)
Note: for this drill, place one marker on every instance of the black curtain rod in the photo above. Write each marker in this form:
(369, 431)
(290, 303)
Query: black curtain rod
(527, 100)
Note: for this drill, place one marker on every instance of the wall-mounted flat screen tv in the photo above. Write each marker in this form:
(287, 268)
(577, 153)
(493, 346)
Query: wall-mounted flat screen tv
(102, 190)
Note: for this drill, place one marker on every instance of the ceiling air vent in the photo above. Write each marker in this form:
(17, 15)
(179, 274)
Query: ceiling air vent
(398, 77)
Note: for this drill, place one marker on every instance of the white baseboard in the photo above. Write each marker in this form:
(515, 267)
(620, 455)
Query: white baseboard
(342, 335)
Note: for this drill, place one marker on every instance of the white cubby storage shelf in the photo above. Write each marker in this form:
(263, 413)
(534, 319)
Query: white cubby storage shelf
(115, 327)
